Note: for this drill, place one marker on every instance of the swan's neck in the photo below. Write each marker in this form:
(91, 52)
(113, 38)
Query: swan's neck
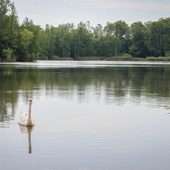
(29, 122)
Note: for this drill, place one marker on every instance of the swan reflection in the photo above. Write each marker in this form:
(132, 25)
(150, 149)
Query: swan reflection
(27, 130)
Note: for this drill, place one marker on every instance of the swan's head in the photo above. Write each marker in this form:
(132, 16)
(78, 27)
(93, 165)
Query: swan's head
(30, 101)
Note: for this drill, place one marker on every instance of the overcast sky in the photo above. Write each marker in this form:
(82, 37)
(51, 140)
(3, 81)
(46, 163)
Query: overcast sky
(55, 12)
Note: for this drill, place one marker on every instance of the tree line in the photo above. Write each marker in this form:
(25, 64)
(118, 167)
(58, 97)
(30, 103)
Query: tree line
(29, 42)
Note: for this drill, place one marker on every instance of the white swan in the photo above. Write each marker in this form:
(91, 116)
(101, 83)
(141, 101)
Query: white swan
(25, 118)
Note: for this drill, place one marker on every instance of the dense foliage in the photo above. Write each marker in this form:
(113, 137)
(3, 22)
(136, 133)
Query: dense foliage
(28, 42)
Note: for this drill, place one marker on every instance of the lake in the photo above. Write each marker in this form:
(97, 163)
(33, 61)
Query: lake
(89, 115)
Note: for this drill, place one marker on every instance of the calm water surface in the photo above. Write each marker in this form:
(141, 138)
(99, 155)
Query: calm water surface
(88, 116)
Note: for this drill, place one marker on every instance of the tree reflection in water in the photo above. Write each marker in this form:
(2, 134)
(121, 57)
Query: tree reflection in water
(111, 84)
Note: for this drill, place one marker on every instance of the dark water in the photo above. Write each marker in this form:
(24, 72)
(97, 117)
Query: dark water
(88, 116)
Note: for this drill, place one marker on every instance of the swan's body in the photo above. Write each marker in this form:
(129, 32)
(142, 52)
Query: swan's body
(25, 118)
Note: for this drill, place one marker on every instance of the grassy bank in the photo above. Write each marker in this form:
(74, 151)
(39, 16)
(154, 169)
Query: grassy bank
(125, 58)
(100, 58)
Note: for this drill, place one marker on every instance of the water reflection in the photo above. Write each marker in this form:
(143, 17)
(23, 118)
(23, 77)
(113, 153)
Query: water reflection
(91, 118)
(27, 130)
(105, 84)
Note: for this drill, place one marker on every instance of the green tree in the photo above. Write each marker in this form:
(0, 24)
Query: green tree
(82, 40)
(98, 31)
(26, 38)
(63, 40)
(8, 27)
(111, 42)
(138, 38)
(7, 54)
(47, 41)
(4, 9)
(159, 37)
(33, 50)
(122, 32)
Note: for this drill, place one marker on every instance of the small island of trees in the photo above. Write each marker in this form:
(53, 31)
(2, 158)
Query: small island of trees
(114, 41)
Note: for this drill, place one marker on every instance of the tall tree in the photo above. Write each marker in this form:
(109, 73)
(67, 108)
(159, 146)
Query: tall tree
(26, 38)
(83, 40)
(8, 29)
(122, 32)
(63, 40)
(159, 37)
(31, 32)
(139, 38)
